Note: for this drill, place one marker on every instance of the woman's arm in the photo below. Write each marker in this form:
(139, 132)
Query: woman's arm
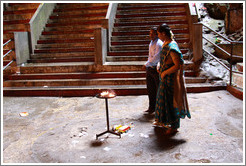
(176, 60)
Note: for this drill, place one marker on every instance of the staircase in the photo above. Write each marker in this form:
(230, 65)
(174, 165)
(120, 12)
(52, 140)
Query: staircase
(15, 19)
(63, 60)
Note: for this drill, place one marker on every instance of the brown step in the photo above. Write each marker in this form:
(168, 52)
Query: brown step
(73, 19)
(68, 36)
(75, 23)
(67, 32)
(59, 50)
(65, 41)
(78, 12)
(78, 5)
(69, 27)
(137, 42)
(127, 6)
(19, 11)
(86, 8)
(26, 16)
(23, 6)
(150, 10)
(82, 75)
(155, 23)
(93, 90)
(145, 32)
(55, 60)
(62, 55)
(78, 15)
(152, 14)
(65, 45)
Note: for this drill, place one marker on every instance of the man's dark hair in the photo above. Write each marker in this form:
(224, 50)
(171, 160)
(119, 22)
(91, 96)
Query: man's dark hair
(154, 29)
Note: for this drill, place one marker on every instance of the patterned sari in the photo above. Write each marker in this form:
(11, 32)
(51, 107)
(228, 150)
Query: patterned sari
(171, 102)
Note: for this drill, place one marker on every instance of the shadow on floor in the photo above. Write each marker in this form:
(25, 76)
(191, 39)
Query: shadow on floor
(166, 141)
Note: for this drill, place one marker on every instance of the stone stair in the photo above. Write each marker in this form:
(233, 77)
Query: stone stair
(63, 60)
(15, 19)
(69, 33)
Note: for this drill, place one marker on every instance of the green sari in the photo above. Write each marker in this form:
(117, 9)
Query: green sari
(171, 102)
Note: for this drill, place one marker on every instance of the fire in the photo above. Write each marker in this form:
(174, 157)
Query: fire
(107, 94)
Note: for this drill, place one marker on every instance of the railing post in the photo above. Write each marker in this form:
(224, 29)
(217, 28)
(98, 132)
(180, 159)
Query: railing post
(100, 39)
(197, 43)
(232, 44)
(21, 47)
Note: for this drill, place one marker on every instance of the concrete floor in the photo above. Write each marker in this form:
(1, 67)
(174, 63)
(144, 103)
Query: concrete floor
(63, 130)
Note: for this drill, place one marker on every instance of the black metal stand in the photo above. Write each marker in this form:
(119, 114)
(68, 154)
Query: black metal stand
(108, 130)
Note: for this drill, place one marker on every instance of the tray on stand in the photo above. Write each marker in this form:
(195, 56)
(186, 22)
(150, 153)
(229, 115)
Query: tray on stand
(106, 97)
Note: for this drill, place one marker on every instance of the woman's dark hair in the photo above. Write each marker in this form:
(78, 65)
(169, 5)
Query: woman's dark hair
(165, 28)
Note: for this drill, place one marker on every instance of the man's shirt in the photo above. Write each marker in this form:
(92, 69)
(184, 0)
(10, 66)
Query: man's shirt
(154, 53)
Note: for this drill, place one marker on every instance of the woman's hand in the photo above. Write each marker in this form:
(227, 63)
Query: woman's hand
(163, 74)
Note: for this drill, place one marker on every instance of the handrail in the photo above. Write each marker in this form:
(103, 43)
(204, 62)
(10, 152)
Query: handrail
(229, 54)
(221, 35)
(7, 42)
(8, 64)
(7, 53)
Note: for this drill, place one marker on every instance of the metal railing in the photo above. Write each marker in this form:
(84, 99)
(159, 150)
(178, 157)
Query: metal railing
(232, 43)
(8, 54)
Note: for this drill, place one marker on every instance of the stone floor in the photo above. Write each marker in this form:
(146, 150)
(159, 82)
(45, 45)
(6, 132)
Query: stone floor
(63, 130)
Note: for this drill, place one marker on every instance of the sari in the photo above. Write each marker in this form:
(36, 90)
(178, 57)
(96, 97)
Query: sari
(171, 101)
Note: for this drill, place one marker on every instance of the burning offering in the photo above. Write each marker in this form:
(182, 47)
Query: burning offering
(24, 114)
(107, 94)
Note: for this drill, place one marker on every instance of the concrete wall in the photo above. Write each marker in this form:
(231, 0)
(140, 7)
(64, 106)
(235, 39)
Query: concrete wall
(112, 9)
(21, 47)
(38, 21)
(100, 38)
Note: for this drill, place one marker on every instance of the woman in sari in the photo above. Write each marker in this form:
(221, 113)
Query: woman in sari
(171, 103)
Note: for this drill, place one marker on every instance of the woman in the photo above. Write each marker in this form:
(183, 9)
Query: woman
(171, 103)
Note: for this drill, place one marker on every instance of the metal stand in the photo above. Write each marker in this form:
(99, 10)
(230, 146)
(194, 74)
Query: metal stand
(108, 131)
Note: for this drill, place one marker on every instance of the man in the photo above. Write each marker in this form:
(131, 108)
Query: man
(152, 76)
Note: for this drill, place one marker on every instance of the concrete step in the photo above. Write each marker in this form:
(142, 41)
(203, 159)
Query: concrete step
(61, 55)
